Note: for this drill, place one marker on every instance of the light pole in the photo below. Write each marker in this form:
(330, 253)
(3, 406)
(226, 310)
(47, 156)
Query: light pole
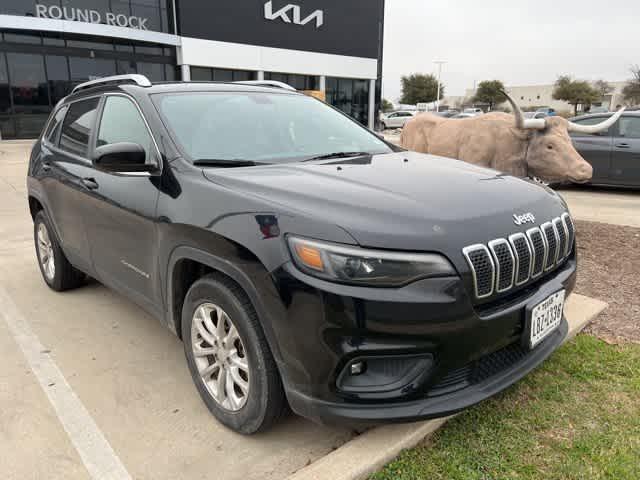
(439, 63)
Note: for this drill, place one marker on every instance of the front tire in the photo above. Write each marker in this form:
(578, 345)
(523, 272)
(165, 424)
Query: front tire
(228, 356)
(56, 270)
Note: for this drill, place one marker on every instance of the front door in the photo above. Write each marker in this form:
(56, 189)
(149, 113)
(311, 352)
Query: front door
(121, 218)
(626, 152)
(595, 149)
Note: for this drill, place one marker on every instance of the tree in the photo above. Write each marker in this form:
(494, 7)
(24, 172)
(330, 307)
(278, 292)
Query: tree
(420, 88)
(387, 106)
(631, 91)
(603, 87)
(575, 92)
(490, 92)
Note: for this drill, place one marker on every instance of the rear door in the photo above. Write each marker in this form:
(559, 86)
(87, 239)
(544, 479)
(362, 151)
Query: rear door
(595, 148)
(120, 219)
(66, 162)
(626, 152)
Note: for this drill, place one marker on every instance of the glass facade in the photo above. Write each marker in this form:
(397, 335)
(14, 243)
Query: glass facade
(349, 95)
(153, 14)
(205, 74)
(299, 82)
(36, 71)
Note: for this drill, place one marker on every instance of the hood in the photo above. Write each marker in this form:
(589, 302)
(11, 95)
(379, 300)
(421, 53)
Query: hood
(402, 201)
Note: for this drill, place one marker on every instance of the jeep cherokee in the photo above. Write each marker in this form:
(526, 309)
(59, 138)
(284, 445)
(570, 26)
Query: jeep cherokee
(302, 260)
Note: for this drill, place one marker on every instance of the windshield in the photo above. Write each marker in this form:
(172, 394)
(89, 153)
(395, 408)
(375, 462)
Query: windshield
(261, 127)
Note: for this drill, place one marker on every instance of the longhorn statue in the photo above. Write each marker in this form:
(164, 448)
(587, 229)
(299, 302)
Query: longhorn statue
(536, 148)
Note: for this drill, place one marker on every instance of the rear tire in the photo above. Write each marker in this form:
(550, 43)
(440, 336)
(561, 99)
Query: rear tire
(228, 356)
(56, 270)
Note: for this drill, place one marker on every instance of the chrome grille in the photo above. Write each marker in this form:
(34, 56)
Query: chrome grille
(539, 247)
(523, 257)
(502, 264)
(504, 261)
(482, 269)
(551, 236)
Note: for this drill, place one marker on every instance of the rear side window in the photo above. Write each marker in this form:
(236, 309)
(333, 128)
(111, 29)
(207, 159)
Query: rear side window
(53, 130)
(77, 126)
(591, 121)
(122, 122)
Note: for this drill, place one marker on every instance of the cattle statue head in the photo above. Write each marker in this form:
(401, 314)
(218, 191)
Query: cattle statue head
(550, 154)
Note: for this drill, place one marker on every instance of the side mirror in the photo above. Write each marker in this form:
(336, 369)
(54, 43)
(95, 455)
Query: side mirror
(121, 157)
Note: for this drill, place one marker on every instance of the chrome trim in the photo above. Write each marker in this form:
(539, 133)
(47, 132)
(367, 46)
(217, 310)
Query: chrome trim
(512, 239)
(556, 221)
(136, 78)
(267, 83)
(472, 248)
(544, 226)
(492, 244)
(570, 237)
(545, 248)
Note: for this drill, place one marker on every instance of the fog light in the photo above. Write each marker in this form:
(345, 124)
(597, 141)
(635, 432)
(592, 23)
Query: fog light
(357, 368)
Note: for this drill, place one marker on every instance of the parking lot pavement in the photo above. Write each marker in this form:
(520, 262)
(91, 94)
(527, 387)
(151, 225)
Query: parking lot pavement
(126, 371)
(620, 207)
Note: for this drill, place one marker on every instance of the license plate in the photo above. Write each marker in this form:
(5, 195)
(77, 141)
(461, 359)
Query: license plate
(545, 318)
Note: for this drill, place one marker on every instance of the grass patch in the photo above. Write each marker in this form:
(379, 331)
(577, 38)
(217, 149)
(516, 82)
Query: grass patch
(576, 417)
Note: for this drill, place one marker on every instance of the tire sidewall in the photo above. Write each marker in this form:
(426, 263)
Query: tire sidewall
(249, 418)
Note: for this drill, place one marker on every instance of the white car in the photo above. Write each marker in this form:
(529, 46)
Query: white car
(396, 119)
(473, 111)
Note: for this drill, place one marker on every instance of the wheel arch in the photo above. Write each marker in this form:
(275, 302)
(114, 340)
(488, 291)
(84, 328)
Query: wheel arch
(187, 264)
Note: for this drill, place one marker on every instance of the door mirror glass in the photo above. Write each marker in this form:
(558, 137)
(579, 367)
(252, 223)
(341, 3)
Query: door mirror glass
(121, 157)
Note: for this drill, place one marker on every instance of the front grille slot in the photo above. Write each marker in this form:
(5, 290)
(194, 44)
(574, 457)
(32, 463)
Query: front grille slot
(539, 248)
(551, 236)
(562, 238)
(482, 269)
(521, 258)
(504, 262)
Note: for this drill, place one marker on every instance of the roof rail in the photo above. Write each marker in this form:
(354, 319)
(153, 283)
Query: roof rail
(140, 80)
(268, 83)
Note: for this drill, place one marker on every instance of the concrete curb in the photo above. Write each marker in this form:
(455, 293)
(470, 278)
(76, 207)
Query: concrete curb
(369, 452)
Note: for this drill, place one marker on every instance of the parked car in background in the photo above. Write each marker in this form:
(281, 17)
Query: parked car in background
(396, 119)
(615, 153)
(598, 109)
(473, 111)
(447, 113)
(465, 115)
(535, 115)
(550, 112)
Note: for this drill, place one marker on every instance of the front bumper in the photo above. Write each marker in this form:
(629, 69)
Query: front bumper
(476, 350)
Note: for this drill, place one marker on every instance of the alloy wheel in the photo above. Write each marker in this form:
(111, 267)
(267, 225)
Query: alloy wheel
(220, 356)
(45, 252)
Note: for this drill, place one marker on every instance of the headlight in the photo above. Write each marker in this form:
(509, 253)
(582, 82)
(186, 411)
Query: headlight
(360, 266)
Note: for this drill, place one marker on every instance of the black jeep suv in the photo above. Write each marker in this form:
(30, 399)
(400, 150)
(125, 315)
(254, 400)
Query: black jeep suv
(302, 260)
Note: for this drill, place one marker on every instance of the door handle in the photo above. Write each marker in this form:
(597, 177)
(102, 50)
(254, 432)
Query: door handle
(623, 145)
(90, 183)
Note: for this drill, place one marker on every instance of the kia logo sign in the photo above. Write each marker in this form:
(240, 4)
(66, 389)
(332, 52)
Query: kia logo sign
(291, 14)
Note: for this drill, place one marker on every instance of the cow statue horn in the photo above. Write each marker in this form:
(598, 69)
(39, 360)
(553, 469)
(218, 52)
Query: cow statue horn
(525, 123)
(598, 127)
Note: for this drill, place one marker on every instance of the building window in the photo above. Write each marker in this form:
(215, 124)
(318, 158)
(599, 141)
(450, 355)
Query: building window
(205, 74)
(351, 96)
(35, 76)
(299, 82)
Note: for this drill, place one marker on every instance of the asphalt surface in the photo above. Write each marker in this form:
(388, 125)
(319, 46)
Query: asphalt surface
(93, 387)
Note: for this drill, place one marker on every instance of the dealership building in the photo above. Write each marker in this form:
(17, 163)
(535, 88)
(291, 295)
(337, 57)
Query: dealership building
(329, 48)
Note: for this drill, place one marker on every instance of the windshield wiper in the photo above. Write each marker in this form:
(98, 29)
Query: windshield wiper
(327, 156)
(225, 163)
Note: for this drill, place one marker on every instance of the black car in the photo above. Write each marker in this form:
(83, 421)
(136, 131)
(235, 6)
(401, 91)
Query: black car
(301, 259)
(615, 153)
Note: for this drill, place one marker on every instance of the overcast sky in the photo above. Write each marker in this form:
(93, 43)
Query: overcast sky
(520, 42)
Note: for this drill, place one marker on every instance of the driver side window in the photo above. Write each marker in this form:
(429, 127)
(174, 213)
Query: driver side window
(121, 122)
